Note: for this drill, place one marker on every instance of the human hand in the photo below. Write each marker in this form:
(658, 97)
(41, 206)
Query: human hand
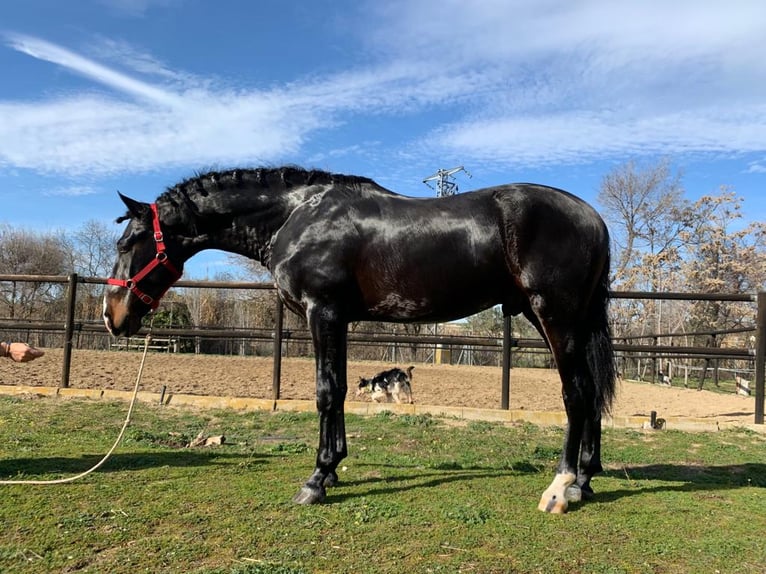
(22, 353)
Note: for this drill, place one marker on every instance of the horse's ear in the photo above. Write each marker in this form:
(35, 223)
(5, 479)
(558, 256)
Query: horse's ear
(136, 208)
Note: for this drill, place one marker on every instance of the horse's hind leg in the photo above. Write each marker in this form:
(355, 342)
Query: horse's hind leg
(329, 335)
(590, 461)
(556, 497)
(573, 371)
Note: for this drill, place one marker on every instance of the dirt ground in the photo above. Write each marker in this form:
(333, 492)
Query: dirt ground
(531, 389)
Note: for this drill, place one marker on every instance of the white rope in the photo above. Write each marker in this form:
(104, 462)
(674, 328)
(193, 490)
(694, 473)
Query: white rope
(116, 442)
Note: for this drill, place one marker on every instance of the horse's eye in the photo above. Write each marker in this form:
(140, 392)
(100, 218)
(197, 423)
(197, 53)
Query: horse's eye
(124, 245)
(128, 240)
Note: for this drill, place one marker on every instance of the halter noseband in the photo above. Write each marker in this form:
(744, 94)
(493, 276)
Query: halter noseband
(160, 258)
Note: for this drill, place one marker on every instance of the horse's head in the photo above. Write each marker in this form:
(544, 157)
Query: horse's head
(145, 269)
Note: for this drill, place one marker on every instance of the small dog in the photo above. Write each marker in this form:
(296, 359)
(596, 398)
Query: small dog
(393, 384)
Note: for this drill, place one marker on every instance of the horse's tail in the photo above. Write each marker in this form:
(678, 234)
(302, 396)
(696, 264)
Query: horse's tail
(598, 346)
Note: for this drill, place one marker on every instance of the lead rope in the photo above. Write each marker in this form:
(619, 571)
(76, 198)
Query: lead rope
(119, 437)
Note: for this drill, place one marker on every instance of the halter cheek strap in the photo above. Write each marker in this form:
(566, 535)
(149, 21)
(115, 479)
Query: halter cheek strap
(160, 258)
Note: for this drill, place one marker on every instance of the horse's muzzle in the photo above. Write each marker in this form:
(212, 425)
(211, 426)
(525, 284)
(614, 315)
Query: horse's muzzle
(118, 318)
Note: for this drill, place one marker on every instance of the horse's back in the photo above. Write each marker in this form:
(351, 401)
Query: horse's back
(399, 258)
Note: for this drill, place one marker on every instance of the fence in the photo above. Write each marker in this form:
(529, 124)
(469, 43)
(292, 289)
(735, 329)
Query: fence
(279, 336)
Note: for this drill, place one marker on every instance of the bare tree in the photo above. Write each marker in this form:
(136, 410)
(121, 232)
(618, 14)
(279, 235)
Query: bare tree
(663, 242)
(646, 212)
(724, 257)
(93, 250)
(251, 269)
(25, 252)
(90, 251)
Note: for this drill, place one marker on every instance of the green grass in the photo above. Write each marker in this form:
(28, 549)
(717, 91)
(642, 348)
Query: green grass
(417, 494)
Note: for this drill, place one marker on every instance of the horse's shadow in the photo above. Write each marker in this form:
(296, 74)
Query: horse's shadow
(30, 468)
(415, 477)
(683, 478)
(641, 478)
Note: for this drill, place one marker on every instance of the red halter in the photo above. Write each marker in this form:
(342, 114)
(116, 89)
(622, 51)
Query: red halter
(161, 258)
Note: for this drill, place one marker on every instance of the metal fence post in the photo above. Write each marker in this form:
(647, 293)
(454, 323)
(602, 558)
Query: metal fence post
(69, 329)
(277, 373)
(505, 394)
(760, 357)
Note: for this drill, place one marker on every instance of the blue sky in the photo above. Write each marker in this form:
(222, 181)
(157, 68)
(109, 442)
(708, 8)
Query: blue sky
(134, 95)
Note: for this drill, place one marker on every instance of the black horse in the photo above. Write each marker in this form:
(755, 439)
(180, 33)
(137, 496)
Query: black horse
(342, 248)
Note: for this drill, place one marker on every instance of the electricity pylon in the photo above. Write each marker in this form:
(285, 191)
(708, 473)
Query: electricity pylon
(445, 184)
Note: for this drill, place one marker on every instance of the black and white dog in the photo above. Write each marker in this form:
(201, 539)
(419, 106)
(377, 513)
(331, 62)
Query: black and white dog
(393, 384)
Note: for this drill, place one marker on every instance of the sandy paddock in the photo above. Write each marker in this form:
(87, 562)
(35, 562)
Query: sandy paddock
(531, 389)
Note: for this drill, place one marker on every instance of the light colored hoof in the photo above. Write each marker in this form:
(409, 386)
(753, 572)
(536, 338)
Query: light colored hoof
(553, 505)
(554, 499)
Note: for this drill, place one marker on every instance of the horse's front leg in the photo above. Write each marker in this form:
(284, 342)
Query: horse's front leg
(329, 335)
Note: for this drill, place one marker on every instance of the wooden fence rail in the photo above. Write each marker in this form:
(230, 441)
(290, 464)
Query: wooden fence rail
(278, 334)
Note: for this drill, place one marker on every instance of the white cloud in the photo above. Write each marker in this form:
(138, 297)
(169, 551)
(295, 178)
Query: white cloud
(497, 81)
(99, 133)
(571, 82)
(577, 137)
(72, 191)
(43, 50)
(123, 54)
(165, 126)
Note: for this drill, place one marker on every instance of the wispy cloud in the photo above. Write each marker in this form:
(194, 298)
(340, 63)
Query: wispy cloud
(570, 82)
(123, 54)
(490, 81)
(577, 137)
(72, 191)
(163, 126)
(155, 126)
(47, 51)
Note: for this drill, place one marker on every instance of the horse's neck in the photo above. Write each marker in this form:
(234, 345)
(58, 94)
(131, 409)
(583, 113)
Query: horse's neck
(246, 223)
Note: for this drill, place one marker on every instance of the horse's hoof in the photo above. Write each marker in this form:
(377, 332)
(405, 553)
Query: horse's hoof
(587, 492)
(554, 499)
(574, 494)
(309, 495)
(331, 479)
(554, 505)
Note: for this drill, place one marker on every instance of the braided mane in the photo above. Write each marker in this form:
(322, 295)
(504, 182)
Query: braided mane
(276, 178)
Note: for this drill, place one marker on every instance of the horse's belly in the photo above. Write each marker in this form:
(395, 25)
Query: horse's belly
(418, 281)
(444, 304)
(400, 307)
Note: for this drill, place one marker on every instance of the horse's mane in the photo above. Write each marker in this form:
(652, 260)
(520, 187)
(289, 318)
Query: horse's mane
(182, 195)
(272, 178)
